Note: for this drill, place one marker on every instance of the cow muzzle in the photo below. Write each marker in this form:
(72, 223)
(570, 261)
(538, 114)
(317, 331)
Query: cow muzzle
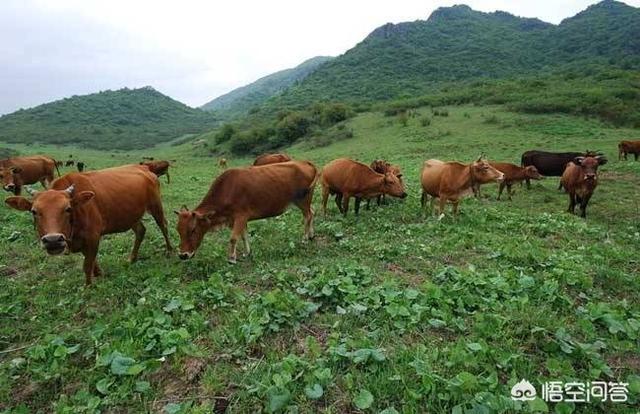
(590, 177)
(500, 178)
(9, 187)
(54, 243)
(403, 195)
(185, 255)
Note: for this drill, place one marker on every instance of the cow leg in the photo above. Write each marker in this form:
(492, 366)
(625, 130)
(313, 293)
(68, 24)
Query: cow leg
(345, 203)
(357, 205)
(382, 199)
(325, 197)
(509, 191)
(423, 199)
(168, 178)
(502, 185)
(635, 155)
(441, 205)
(238, 229)
(528, 183)
(454, 206)
(369, 204)
(583, 205)
(572, 203)
(17, 190)
(90, 263)
(139, 231)
(307, 213)
(156, 211)
(338, 201)
(245, 241)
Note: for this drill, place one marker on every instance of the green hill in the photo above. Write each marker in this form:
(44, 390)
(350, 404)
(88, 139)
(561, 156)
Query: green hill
(240, 101)
(123, 119)
(458, 43)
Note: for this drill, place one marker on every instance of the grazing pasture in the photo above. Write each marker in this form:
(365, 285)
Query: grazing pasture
(389, 311)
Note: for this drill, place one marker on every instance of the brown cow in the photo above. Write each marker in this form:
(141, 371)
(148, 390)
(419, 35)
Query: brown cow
(382, 167)
(159, 168)
(450, 181)
(580, 179)
(240, 195)
(20, 171)
(222, 163)
(512, 174)
(80, 208)
(265, 159)
(628, 147)
(347, 178)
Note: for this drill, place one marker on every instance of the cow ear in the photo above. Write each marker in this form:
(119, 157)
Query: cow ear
(399, 175)
(601, 160)
(83, 197)
(207, 216)
(19, 203)
(578, 160)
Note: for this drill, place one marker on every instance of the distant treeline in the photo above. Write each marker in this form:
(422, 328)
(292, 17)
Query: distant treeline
(123, 119)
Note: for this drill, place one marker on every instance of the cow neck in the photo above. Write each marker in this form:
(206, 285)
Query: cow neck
(468, 181)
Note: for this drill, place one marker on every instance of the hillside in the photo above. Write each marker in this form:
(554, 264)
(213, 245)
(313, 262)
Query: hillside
(240, 101)
(458, 43)
(122, 119)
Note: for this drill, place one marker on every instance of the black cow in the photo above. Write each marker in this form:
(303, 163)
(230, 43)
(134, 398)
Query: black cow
(551, 164)
(80, 166)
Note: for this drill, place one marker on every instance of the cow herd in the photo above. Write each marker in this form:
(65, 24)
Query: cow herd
(76, 210)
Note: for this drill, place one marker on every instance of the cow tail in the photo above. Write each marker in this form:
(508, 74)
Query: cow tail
(55, 164)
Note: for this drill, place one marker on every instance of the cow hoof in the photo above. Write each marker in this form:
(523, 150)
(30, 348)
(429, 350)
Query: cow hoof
(441, 216)
(232, 260)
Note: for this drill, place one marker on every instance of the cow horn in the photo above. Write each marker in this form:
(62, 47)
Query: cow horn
(70, 189)
(184, 208)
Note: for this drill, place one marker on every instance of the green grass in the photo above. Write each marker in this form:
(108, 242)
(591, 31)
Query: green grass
(390, 309)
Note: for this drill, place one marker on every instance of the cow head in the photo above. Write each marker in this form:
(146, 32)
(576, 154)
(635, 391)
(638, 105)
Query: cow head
(590, 166)
(482, 172)
(393, 185)
(9, 177)
(52, 212)
(531, 172)
(192, 226)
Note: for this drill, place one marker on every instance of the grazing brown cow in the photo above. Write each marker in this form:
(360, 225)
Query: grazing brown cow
(382, 167)
(159, 168)
(628, 147)
(240, 195)
(222, 163)
(451, 181)
(19, 171)
(265, 159)
(80, 208)
(512, 174)
(580, 179)
(347, 178)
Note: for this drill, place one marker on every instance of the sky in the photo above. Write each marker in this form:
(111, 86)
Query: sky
(194, 50)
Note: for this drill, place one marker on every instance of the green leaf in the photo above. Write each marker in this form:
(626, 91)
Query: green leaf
(314, 392)
(172, 408)
(172, 305)
(564, 408)
(363, 400)
(142, 386)
(278, 398)
(103, 385)
(135, 369)
(390, 410)
(538, 405)
(120, 365)
(474, 346)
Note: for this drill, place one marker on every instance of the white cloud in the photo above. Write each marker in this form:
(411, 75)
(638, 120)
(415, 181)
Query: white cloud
(193, 50)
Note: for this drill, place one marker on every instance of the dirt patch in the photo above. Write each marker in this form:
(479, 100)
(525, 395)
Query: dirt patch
(622, 362)
(8, 271)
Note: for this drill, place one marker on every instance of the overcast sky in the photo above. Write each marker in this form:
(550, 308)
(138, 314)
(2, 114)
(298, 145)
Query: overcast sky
(193, 50)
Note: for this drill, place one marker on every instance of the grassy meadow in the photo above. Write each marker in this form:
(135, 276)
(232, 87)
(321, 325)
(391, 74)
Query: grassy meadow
(391, 311)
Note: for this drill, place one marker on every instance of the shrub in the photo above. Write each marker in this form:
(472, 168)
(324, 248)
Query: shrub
(226, 132)
(491, 119)
(425, 121)
(403, 118)
(292, 127)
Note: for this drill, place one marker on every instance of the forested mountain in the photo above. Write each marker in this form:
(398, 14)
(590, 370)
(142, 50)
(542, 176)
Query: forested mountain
(122, 119)
(241, 100)
(457, 43)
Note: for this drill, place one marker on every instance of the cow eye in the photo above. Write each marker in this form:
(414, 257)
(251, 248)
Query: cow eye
(67, 210)
(33, 212)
